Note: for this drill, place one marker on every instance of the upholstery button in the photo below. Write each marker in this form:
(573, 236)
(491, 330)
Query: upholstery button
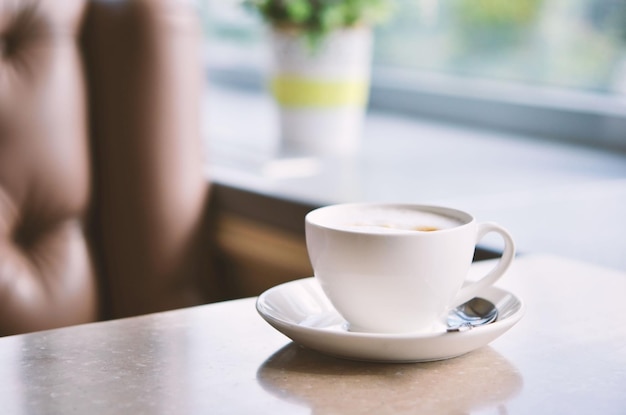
(7, 45)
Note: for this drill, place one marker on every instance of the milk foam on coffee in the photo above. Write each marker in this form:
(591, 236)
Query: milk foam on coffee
(397, 219)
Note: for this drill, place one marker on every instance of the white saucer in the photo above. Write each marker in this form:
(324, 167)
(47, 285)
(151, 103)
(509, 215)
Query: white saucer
(300, 310)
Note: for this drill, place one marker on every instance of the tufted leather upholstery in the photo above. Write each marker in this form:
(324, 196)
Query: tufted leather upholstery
(102, 194)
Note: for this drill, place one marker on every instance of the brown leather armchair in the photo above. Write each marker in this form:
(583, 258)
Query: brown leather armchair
(103, 200)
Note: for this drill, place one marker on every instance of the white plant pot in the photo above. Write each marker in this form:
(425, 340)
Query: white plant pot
(322, 93)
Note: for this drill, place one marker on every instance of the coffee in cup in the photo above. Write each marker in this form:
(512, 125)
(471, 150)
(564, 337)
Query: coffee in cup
(398, 268)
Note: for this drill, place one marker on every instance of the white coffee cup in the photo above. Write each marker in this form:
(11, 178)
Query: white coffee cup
(398, 268)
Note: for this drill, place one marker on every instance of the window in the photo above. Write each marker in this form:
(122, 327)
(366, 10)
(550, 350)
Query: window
(570, 44)
(554, 68)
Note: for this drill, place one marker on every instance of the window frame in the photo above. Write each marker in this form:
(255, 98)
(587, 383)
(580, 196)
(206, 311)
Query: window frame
(569, 116)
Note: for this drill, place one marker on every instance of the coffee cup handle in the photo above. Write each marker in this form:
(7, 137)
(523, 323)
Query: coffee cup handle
(470, 290)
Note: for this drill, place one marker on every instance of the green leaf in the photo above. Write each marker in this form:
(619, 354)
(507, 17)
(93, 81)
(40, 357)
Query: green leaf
(316, 18)
(298, 11)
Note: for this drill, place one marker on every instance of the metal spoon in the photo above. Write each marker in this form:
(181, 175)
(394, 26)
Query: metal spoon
(475, 312)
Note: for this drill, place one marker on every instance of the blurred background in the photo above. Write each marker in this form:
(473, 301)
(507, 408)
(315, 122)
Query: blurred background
(513, 110)
(574, 44)
(564, 57)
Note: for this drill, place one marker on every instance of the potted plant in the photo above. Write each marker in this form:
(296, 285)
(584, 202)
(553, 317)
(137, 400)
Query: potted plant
(320, 72)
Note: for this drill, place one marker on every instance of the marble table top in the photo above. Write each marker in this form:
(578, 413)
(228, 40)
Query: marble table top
(567, 355)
